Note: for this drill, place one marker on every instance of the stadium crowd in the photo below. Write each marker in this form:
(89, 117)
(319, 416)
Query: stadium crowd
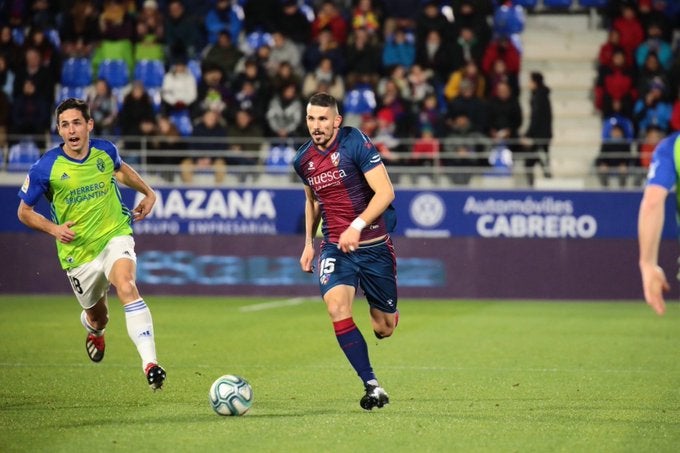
(637, 86)
(216, 81)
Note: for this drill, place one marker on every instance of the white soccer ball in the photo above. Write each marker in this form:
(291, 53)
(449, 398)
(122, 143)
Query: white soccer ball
(230, 395)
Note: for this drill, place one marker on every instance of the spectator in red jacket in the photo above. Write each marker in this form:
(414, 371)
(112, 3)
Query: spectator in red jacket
(629, 27)
(615, 82)
(675, 115)
(501, 48)
(330, 17)
(613, 43)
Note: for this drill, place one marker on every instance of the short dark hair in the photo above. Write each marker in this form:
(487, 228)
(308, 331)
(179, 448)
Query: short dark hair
(537, 78)
(73, 103)
(323, 99)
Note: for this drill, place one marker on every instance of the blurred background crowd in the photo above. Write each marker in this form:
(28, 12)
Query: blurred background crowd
(219, 84)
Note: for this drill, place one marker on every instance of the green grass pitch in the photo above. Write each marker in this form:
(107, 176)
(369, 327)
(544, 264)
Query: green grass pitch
(468, 376)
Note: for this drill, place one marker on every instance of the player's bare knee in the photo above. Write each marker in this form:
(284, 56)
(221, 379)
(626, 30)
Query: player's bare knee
(337, 312)
(127, 290)
(338, 309)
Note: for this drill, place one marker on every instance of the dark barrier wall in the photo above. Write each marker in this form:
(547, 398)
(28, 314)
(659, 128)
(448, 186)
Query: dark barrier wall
(439, 268)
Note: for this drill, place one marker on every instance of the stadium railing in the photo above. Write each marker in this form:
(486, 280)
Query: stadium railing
(494, 164)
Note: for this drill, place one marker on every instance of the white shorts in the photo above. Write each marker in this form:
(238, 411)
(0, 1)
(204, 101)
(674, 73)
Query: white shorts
(90, 281)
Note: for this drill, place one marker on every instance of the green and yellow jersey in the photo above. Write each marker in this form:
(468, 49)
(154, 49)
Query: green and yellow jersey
(82, 191)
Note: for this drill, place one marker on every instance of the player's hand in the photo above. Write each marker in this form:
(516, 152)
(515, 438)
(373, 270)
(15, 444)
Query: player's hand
(64, 233)
(654, 284)
(144, 207)
(307, 259)
(349, 240)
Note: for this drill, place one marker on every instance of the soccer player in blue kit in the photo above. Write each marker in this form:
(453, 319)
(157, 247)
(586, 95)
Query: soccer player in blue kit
(662, 177)
(348, 188)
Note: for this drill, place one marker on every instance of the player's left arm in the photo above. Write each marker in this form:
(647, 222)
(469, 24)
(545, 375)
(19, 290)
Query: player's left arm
(128, 176)
(379, 180)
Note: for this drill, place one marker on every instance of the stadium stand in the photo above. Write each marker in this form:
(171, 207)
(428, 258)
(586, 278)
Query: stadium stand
(115, 72)
(561, 47)
(22, 155)
(556, 4)
(113, 50)
(553, 37)
(592, 3)
(528, 4)
(65, 92)
(182, 120)
(150, 73)
(622, 122)
(195, 68)
(76, 72)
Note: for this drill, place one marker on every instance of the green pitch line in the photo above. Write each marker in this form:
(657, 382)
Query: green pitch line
(469, 376)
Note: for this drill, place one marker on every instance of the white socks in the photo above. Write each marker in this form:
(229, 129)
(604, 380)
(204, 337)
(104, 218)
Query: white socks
(88, 327)
(140, 330)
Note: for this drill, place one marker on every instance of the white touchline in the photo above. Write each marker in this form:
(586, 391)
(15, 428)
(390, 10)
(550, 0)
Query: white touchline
(276, 304)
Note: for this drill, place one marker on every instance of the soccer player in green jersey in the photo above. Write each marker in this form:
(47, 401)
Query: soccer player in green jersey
(92, 228)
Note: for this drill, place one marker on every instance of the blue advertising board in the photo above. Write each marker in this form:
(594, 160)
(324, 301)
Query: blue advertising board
(223, 211)
(420, 213)
(197, 211)
(522, 214)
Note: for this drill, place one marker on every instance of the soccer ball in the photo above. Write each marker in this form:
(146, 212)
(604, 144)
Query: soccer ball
(230, 395)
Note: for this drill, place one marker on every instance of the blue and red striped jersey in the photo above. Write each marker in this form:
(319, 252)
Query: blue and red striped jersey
(336, 175)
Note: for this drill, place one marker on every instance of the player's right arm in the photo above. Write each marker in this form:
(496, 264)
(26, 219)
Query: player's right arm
(36, 186)
(660, 179)
(650, 224)
(32, 219)
(312, 218)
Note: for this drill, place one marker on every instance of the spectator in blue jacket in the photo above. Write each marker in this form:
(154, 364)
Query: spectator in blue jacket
(399, 49)
(652, 110)
(654, 43)
(224, 16)
(508, 19)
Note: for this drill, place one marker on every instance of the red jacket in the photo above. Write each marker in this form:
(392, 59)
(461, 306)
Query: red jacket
(607, 50)
(508, 53)
(631, 33)
(616, 84)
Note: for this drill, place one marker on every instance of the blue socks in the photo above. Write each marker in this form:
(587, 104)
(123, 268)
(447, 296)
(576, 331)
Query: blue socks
(354, 346)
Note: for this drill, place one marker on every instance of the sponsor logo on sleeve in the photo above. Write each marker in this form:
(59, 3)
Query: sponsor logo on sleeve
(26, 184)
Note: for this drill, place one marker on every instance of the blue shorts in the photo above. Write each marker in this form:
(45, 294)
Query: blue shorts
(373, 267)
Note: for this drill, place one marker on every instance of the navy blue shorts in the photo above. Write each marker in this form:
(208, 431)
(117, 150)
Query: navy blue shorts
(372, 267)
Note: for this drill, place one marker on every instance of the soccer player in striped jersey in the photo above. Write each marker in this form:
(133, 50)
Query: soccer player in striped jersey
(348, 188)
(92, 228)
